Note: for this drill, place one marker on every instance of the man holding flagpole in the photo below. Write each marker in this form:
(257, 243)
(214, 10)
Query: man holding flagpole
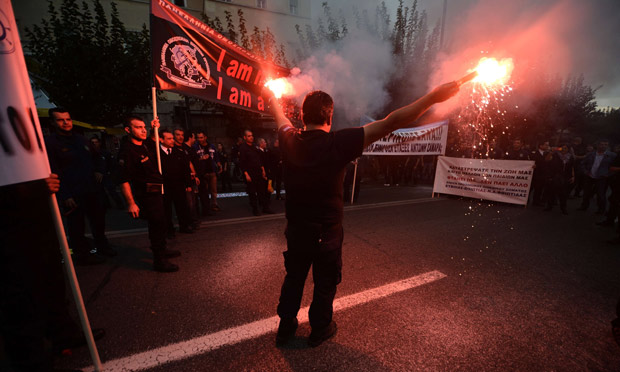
(142, 187)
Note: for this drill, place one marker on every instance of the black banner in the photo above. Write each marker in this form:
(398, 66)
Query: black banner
(191, 58)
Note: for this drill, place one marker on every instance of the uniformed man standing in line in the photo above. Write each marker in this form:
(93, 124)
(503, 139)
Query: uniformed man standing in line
(314, 164)
(177, 181)
(142, 187)
(80, 172)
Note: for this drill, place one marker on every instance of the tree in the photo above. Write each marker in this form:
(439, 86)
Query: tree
(88, 64)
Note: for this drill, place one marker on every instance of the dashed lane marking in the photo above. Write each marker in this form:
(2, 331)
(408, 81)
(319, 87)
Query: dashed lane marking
(204, 344)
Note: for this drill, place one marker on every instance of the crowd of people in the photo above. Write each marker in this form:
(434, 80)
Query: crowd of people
(192, 168)
(574, 170)
(187, 183)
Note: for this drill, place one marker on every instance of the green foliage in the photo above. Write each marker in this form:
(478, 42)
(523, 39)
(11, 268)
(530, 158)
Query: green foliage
(243, 31)
(91, 66)
(230, 27)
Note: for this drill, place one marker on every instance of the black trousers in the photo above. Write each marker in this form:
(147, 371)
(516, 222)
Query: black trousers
(152, 209)
(539, 187)
(176, 195)
(89, 205)
(257, 191)
(598, 187)
(319, 246)
(34, 312)
(556, 188)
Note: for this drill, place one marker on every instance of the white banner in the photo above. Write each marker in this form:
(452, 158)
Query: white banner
(505, 181)
(22, 150)
(428, 139)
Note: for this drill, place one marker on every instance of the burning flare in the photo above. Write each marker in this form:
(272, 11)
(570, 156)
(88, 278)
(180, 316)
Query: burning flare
(280, 87)
(490, 71)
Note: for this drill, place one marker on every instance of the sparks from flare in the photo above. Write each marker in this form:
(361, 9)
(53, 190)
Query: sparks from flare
(484, 117)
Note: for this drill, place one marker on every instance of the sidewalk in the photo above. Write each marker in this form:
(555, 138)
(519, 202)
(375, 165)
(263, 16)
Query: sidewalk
(235, 204)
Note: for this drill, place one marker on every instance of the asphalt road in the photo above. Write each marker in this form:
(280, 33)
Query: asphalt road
(510, 289)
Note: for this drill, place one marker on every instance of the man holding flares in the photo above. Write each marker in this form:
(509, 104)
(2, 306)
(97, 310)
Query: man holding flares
(314, 160)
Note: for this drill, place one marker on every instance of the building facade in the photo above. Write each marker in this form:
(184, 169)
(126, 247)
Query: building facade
(280, 16)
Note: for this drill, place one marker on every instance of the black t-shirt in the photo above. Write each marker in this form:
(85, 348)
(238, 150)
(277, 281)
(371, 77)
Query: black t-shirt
(138, 167)
(313, 172)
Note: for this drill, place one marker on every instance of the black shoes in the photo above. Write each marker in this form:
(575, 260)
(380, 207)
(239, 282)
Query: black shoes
(170, 253)
(321, 335)
(107, 251)
(162, 265)
(286, 330)
(268, 211)
(256, 212)
(186, 230)
(605, 223)
(88, 259)
(614, 240)
(77, 340)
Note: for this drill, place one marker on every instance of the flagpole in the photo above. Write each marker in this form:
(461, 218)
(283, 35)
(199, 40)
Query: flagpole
(154, 92)
(73, 282)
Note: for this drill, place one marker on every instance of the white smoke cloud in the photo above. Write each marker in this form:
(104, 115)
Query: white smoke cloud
(354, 72)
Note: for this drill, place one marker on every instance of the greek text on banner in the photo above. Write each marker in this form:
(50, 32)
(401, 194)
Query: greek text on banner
(505, 181)
(429, 139)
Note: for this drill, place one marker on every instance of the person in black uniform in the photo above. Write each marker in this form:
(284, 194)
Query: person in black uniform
(35, 321)
(141, 184)
(517, 152)
(540, 179)
(314, 164)
(81, 173)
(254, 173)
(276, 163)
(177, 181)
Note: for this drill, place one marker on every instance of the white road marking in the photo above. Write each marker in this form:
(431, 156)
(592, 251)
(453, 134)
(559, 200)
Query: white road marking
(203, 344)
(269, 217)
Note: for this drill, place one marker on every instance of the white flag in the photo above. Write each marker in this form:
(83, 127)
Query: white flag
(22, 150)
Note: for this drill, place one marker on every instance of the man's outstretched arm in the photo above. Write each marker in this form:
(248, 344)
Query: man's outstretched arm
(404, 116)
(276, 109)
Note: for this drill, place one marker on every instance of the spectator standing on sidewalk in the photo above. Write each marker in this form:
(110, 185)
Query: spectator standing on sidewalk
(192, 196)
(276, 170)
(206, 167)
(596, 169)
(614, 186)
(578, 149)
(177, 181)
(224, 171)
(540, 180)
(254, 173)
(517, 152)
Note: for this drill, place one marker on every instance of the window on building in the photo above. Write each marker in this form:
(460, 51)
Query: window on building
(261, 4)
(181, 3)
(293, 5)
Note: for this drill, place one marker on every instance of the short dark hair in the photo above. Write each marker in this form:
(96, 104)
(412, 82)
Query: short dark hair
(164, 130)
(56, 109)
(317, 108)
(128, 119)
(179, 129)
(53, 110)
